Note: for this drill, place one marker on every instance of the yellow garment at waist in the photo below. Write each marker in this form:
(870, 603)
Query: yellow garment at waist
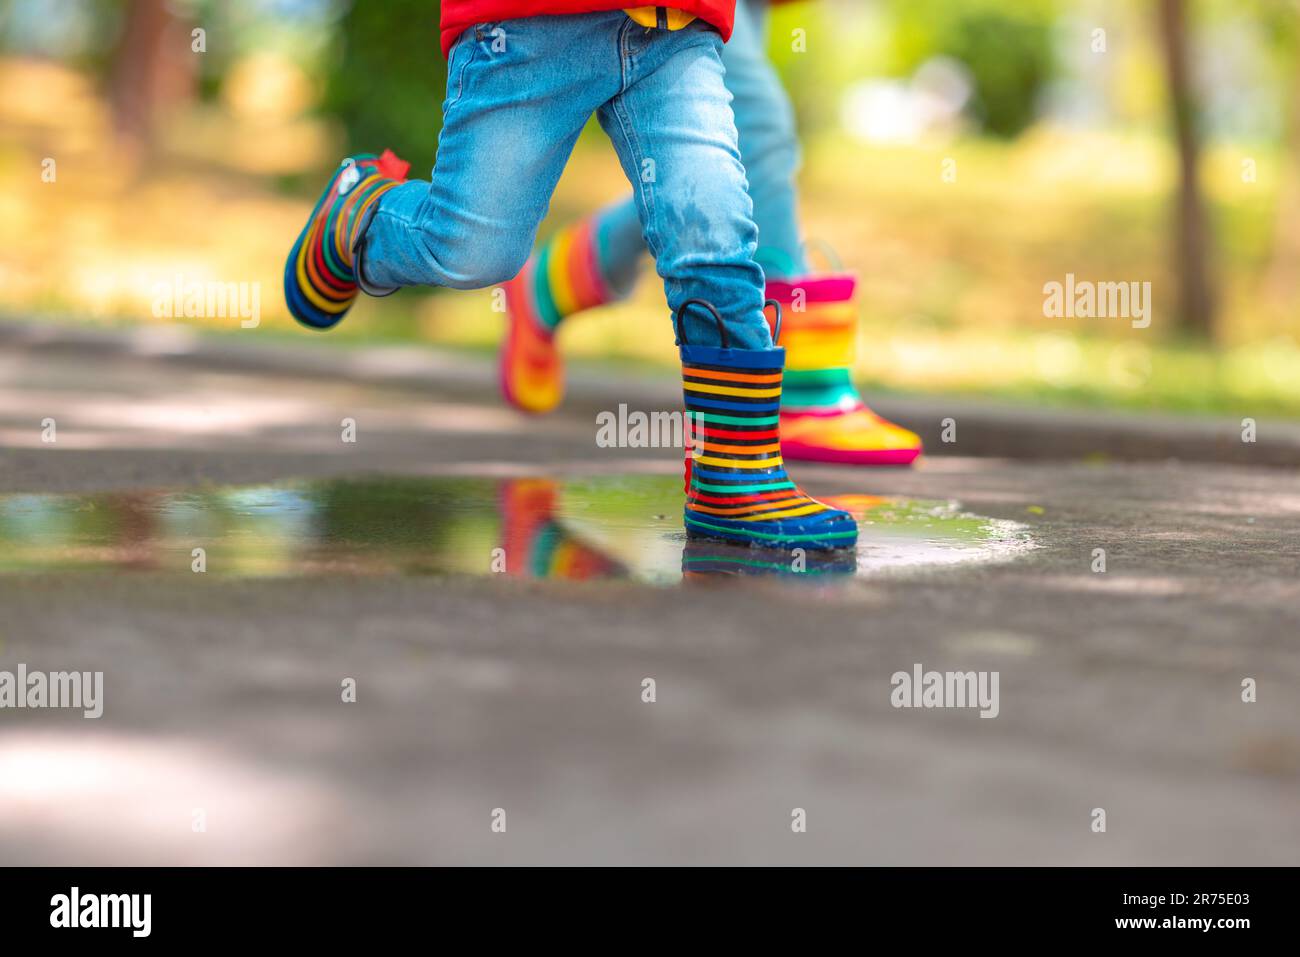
(649, 16)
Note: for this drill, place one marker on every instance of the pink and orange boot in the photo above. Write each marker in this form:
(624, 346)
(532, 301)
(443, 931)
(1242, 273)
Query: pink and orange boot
(823, 417)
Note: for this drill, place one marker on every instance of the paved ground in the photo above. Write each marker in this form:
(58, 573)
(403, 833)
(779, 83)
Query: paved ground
(1119, 690)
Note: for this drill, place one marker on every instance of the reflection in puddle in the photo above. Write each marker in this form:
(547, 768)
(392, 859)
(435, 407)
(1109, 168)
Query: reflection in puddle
(562, 528)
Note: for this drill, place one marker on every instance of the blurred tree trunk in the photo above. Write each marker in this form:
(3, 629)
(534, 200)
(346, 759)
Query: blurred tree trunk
(1282, 283)
(152, 65)
(1191, 225)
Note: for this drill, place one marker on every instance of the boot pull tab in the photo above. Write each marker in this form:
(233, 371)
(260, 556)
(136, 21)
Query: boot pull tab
(776, 326)
(680, 329)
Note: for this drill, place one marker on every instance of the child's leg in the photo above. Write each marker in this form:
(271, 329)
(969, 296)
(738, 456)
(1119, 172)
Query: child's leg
(673, 130)
(519, 94)
(596, 260)
(675, 135)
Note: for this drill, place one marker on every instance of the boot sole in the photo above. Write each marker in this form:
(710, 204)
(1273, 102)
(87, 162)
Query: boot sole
(706, 558)
(715, 531)
(798, 453)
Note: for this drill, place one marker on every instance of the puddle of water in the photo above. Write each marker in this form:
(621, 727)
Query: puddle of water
(605, 527)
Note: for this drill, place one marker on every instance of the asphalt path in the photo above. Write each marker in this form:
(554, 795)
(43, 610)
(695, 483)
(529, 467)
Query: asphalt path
(483, 699)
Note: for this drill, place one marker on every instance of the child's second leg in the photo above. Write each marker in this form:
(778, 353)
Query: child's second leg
(823, 415)
(596, 260)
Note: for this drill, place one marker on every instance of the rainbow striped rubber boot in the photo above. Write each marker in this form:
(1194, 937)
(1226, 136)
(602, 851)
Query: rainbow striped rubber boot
(561, 278)
(320, 280)
(823, 418)
(737, 489)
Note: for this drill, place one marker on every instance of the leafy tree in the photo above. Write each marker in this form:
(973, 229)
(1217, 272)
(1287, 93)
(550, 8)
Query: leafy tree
(388, 77)
(1192, 237)
(1006, 47)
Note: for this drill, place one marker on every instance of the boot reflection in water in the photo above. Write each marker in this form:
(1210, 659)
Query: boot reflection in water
(536, 543)
(704, 559)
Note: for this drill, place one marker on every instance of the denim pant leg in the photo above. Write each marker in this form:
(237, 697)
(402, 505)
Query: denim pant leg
(769, 142)
(622, 245)
(673, 130)
(518, 94)
(769, 148)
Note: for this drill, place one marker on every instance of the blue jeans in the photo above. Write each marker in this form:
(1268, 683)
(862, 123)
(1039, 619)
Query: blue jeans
(518, 94)
(769, 147)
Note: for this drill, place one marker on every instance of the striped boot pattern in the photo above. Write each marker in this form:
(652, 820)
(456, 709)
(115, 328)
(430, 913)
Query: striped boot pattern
(320, 282)
(737, 486)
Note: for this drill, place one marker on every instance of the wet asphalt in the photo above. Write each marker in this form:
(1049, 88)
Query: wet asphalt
(483, 698)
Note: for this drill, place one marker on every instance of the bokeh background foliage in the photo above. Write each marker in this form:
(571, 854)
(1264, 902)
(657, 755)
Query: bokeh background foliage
(960, 154)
